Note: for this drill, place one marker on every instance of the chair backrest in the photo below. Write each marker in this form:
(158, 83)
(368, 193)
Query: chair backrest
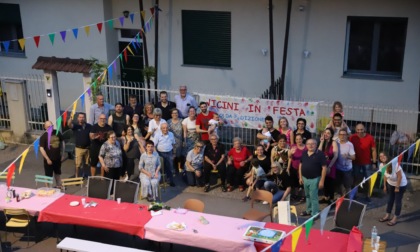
(262, 195)
(15, 212)
(194, 205)
(4, 177)
(347, 217)
(72, 181)
(126, 190)
(99, 187)
(284, 212)
(43, 179)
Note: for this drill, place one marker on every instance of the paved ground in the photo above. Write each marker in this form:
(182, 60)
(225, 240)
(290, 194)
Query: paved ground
(402, 237)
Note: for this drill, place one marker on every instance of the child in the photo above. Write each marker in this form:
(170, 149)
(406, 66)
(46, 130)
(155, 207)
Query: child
(288, 132)
(214, 124)
(266, 142)
(336, 108)
(254, 178)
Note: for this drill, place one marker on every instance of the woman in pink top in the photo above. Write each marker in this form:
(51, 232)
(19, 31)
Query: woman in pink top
(330, 149)
(284, 129)
(295, 155)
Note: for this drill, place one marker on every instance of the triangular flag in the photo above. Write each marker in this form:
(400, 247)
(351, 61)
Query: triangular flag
(110, 72)
(394, 163)
(110, 23)
(143, 14)
(6, 45)
(122, 21)
(417, 147)
(65, 118)
(353, 193)
(52, 37)
(75, 32)
(63, 35)
(132, 17)
(22, 160)
(121, 60)
(308, 226)
(49, 132)
(125, 56)
(338, 205)
(114, 64)
(372, 182)
(400, 158)
(87, 30)
(383, 169)
(295, 237)
(363, 181)
(323, 216)
(36, 147)
(99, 25)
(152, 10)
(411, 151)
(73, 111)
(129, 49)
(59, 121)
(276, 246)
(151, 23)
(89, 92)
(103, 76)
(36, 39)
(133, 43)
(82, 100)
(10, 173)
(22, 43)
(94, 84)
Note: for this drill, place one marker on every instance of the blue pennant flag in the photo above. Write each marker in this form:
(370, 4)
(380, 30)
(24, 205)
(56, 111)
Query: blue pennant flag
(411, 151)
(353, 193)
(82, 99)
(132, 17)
(276, 246)
(36, 147)
(75, 32)
(6, 45)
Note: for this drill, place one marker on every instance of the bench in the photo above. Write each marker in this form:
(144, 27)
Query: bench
(73, 244)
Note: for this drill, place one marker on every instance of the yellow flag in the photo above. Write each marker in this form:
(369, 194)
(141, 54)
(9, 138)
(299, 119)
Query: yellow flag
(103, 76)
(143, 14)
(87, 30)
(22, 160)
(129, 49)
(74, 109)
(295, 238)
(417, 147)
(22, 43)
(372, 182)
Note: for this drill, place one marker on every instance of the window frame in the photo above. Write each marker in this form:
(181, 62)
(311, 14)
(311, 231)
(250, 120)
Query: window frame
(18, 30)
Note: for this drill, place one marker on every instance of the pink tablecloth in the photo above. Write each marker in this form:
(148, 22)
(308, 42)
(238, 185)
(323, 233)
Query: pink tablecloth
(126, 218)
(221, 234)
(33, 205)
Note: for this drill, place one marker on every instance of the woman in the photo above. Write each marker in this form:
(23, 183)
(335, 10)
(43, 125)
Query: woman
(194, 165)
(149, 166)
(138, 126)
(280, 152)
(110, 157)
(148, 116)
(263, 160)
(188, 126)
(330, 149)
(278, 183)
(175, 126)
(154, 124)
(301, 129)
(131, 149)
(238, 159)
(295, 155)
(395, 183)
(284, 129)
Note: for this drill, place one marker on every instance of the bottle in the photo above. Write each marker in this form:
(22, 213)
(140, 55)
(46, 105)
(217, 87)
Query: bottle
(373, 236)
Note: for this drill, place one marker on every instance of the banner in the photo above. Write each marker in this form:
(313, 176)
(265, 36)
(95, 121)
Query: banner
(250, 112)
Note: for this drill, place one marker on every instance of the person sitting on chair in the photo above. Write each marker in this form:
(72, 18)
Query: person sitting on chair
(278, 182)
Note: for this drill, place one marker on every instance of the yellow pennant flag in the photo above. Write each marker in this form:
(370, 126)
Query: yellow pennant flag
(417, 147)
(143, 14)
(372, 182)
(103, 76)
(22, 43)
(22, 160)
(87, 30)
(295, 238)
(129, 49)
(74, 109)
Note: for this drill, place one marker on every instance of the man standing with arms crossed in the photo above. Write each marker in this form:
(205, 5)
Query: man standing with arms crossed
(100, 107)
(184, 101)
(312, 172)
(81, 132)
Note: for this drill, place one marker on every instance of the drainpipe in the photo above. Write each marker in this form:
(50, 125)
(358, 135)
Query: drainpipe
(286, 41)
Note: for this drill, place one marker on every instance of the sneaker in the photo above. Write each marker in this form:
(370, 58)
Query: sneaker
(207, 188)
(224, 189)
(246, 198)
(265, 202)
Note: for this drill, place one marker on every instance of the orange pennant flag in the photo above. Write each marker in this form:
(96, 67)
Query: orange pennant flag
(87, 30)
(22, 160)
(74, 109)
(295, 238)
(22, 43)
(10, 174)
(65, 118)
(125, 56)
(372, 182)
(400, 157)
(129, 49)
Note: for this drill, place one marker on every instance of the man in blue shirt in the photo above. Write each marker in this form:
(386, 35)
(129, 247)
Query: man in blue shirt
(100, 107)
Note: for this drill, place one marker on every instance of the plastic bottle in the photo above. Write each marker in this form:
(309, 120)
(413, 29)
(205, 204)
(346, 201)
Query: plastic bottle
(373, 236)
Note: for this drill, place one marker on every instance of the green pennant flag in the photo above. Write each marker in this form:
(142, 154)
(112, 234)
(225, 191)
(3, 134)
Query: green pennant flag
(382, 175)
(111, 24)
(94, 85)
(59, 121)
(121, 60)
(51, 36)
(308, 226)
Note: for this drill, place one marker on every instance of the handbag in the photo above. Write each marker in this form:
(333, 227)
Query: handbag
(355, 241)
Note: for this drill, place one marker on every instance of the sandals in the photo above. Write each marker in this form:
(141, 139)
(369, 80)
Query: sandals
(391, 223)
(384, 219)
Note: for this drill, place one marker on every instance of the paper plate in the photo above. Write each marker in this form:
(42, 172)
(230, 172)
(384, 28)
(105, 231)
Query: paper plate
(74, 203)
(181, 211)
(176, 226)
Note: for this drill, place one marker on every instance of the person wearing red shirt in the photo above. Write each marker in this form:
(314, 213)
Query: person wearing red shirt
(202, 122)
(366, 156)
(238, 158)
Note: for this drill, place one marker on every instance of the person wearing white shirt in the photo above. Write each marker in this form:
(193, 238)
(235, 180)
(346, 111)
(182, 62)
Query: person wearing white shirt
(164, 142)
(155, 124)
(344, 166)
(184, 101)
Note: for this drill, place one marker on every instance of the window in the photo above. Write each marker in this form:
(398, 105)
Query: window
(375, 47)
(206, 38)
(10, 29)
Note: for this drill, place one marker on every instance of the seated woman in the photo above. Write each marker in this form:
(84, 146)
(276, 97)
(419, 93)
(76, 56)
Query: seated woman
(149, 166)
(238, 157)
(278, 183)
(255, 178)
(194, 165)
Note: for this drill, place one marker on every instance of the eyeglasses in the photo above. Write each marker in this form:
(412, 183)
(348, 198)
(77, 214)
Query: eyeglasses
(213, 139)
(199, 146)
(102, 118)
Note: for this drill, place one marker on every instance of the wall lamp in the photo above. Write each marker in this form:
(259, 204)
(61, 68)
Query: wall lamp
(126, 13)
(49, 93)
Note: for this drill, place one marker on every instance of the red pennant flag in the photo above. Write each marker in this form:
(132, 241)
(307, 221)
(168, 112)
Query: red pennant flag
(36, 39)
(400, 157)
(125, 55)
(65, 118)
(338, 205)
(10, 173)
(99, 25)
(152, 10)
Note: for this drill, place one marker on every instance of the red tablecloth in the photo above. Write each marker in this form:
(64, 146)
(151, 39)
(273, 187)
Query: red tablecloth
(329, 241)
(125, 217)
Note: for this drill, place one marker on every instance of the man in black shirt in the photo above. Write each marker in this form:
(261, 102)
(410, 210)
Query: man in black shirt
(274, 135)
(133, 107)
(214, 156)
(81, 132)
(118, 120)
(97, 137)
(165, 105)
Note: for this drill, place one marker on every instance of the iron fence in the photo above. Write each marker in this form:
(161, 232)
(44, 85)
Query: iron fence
(4, 108)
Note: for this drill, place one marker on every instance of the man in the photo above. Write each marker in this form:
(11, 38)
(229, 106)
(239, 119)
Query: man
(312, 171)
(214, 156)
(53, 154)
(133, 107)
(100, 107)
(118, 120)
(97, 137)
(164, 142)
(274, 134)
(81, 132)
(202, 122)
(184, 101)
(366, 156)
(338, 125)
(165, 105)
(344, 172)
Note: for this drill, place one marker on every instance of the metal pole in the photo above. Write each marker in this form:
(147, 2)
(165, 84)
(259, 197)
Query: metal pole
(270, 21)
(286, 41)
(156, 45)
(145, 54)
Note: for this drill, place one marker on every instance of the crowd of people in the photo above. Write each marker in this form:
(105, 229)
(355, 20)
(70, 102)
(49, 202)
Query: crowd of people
(183, 136)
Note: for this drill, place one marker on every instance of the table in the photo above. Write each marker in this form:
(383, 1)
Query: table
(221, 234)
(72, 244)
(33, 205)
(367, 245)
(126, 218)
(329, 241)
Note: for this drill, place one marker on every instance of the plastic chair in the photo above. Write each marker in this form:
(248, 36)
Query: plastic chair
(348, 217)
(17, 218)
(194, 205)
(44, 179)
(253, 214)
(99, 187)
(294, 212)
(71, 181)
(126, 190)
(4, 177)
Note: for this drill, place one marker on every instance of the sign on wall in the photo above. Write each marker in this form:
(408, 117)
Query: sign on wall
(250, 112)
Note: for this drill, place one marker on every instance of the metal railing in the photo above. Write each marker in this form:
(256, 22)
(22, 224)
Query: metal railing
(4, 108)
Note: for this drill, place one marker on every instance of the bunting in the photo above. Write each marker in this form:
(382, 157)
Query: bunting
(323, 217)
(36, 39)
(49, 131)
(143, 14)
(129, 49)
(22, 43)
(87, 30)
(52, 37)
(75, 32)
(338, 205)
(152, 10)
(89, 92)
(65, 118)
(99, 26)
(10, 173)
(36, 147)
(63, 35)
(73, 111)
(417, 146)
(353, 193)
(22, 160)
(58, 123)
(103, 76)
(400, 158)
(410, 151)
(308, 226)
(110, 72)
(82, 100)
(372, 182)
(121, 21)
(6, 45)
(394, 163)
(111, 24)
(295, 237)
(125, 55)
(383, 170)
(276, 246)
(132, 17)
